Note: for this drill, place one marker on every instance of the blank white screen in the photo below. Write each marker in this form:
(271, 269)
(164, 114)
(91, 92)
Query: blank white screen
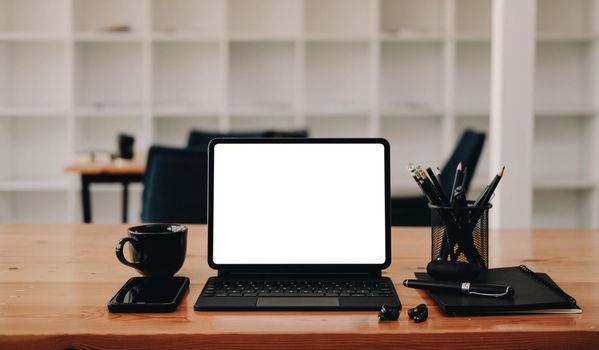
(299, 204)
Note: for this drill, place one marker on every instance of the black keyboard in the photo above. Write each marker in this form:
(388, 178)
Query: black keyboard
(295, 288)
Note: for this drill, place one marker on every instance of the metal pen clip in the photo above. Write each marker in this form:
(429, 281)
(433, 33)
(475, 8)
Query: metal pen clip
(466, 289)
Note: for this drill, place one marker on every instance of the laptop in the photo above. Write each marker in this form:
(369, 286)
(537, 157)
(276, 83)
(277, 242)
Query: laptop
(298, 224)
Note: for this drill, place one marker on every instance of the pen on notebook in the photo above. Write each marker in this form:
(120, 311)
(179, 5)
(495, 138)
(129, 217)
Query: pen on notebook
(486, 290)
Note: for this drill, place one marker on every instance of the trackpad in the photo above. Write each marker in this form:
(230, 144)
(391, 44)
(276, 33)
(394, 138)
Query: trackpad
(297, 301)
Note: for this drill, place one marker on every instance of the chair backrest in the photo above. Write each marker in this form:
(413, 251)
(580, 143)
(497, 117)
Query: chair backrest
(200, 139)
(468, 152)
(175, 186)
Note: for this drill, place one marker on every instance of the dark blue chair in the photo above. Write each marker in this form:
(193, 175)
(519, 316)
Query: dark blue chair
(413, 211)
(200, 139)
(175, 186)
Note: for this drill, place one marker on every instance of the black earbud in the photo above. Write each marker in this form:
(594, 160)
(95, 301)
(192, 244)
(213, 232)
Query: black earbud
(418, 313)
(388, 313)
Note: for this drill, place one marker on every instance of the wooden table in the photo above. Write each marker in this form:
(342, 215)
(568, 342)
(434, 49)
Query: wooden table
(55, 281)
(118, 171)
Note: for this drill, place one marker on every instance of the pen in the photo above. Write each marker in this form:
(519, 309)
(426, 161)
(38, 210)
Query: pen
(486, 290)
(459, 198)
(464, 177)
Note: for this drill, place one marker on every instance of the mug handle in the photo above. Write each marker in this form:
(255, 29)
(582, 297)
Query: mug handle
(119, 251)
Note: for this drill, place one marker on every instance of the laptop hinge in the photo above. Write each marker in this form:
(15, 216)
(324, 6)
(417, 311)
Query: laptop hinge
(300, 274)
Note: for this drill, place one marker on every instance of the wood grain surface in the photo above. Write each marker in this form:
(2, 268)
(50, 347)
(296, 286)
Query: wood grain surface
(117, 167)
(55, 281)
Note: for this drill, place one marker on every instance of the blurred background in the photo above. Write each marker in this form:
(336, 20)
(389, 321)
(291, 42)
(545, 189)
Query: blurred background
(74, 74)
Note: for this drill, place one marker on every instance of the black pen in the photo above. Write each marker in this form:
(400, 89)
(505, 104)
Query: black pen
(486, 290)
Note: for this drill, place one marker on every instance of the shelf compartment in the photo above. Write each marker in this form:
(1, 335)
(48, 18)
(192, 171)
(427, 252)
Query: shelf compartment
(114, 17)
(32, 148)
(262, 123)
(261, 75)
(566, 183)
(560, 209)
(561, 76)
(334, 111)
(264, 17)
(565, 113)
(96, 134)
(187, 17)
(266, 111)
(337, 76)
(473, 18)
(31, 75)
(411, 111)
(33, 17)
(183, 111)
(401, 18)
(174, 131)
(339, 126)
(101, 111)
(411, 77)
(473, 76)
(34, 185)
(186, 77)
(413, 140)
(32, 36)
(350, 18)
(32, 112)
(563, 17)
(563, 148)
(184, 37)
(33, 207)
(108, 75)
(93, 37)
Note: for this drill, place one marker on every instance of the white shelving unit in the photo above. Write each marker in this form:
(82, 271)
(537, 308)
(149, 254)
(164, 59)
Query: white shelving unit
(75, 73)
(566, 152)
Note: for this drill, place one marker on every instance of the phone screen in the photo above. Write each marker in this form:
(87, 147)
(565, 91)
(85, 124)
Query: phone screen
(146, 290)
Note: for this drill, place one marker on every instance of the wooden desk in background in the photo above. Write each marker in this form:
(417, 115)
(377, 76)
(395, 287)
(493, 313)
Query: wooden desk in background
(119, 171)
(55, 281)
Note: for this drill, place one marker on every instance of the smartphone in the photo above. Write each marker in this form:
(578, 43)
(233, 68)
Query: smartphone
(149, 294)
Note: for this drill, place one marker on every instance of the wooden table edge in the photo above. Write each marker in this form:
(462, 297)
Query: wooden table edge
(580, 339)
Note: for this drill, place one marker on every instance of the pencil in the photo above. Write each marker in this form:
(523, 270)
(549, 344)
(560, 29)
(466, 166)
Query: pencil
(456, 179)
(437, 186)
(484, 198)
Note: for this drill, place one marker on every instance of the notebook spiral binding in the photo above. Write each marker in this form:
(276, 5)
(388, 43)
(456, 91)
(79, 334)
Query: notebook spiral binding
(551, 286)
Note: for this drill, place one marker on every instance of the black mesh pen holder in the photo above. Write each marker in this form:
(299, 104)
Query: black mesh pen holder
(460, 234)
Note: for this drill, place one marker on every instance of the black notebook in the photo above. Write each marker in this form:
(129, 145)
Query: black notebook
(535, 293)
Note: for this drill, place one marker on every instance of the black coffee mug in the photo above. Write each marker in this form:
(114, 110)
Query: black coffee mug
(157, 249)
(126, 143)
